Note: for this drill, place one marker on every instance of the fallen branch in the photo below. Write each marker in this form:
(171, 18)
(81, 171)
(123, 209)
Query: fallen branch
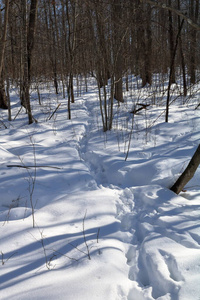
(28, 167)
(54, 111)
(4, 124)
(197, 106)
(18, 113)
(143, 106)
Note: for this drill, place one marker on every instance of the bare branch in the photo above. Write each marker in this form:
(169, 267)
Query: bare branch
(174, 10)
(28, 167)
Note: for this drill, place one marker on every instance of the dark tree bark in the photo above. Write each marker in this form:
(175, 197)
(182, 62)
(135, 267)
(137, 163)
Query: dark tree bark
(51, 31)
(31, 33)
(117, 49)
(147, 77)
(194, 12)
(184, 16)
(188, 173)
(171, 44)
(171, 72)
(182, 56)
(3, 100)
(26, 77)
(3, 41)
(104, 72)
(28, 43)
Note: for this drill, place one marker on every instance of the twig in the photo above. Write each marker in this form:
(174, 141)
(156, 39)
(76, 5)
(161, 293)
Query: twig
(98, 231)
(18, 113)
(71, 258)
(2, 258)
(130, 137)
(75, 247)
(85, 241)
(4, 124)
(88, 250)
(197, 106)
(54, 111)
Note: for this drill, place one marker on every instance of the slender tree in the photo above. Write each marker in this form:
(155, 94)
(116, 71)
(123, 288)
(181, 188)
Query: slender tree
(188, 173)
(28, 43)
(3, 100)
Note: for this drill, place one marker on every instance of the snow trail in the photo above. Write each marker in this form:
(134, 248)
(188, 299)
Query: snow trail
(148, 216)
(144, 241)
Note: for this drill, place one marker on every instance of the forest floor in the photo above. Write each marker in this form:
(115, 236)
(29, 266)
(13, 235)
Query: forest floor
(105, 227)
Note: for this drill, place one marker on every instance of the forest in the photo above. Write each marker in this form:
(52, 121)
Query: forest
(59, 41)
(99, 149)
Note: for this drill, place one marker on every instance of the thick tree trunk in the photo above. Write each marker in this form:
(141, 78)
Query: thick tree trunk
(3, 98)
(3, 42)
(188, 173)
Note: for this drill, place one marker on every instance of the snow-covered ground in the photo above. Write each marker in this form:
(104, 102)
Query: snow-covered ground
(105, 227)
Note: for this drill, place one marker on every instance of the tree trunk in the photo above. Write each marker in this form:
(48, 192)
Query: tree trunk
(26, 78)
(31, 33)
(188, 173)
(117, 52)
(3, 42)
(146, 74)
(171, 72)
(171, 45)
(182, 57)
(3, 100)
(194, 12)
(104, 73)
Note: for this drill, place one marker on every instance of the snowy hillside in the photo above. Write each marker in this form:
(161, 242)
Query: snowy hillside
(105, 227)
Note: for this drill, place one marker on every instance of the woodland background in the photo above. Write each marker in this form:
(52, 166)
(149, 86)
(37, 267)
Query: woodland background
(59, 41)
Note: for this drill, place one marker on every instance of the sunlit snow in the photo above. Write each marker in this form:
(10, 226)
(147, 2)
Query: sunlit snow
(105, 227)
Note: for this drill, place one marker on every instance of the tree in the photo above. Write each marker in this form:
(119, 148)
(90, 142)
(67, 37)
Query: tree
(171, 45)
(194, 13)
(117, 39)
(174, 10)
(28, 44)
(188, 173)
(3, 101)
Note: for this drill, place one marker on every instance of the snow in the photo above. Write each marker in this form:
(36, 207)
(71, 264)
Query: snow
(105, 227)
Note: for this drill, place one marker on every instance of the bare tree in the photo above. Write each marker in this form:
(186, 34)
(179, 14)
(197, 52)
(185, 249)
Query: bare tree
(171, 45)
(28, 43)
(3, 101)
(178, 12)
(194, 13)
(117, 39)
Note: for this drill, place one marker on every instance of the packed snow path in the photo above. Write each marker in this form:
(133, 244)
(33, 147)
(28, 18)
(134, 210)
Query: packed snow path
(105, 228)
(162, 228)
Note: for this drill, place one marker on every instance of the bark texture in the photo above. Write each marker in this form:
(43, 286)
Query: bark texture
(188, 173)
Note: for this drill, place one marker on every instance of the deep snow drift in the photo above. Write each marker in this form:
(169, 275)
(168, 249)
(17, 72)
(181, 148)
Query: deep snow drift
(105, 228)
